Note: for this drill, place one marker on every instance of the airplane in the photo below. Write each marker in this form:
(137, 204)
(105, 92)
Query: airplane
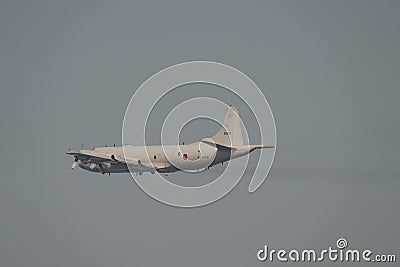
(225, 145)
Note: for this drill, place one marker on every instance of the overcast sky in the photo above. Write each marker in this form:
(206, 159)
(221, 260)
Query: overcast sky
(330, 70)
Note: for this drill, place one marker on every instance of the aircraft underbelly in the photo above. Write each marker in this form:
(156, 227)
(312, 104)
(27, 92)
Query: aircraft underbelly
(114, 168)
(221, 156)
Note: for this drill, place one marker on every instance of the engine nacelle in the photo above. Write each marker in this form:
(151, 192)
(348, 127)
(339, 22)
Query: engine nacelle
(92, 166)
(106, 166)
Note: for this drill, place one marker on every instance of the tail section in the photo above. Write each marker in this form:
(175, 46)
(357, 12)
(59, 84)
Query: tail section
(230, 134)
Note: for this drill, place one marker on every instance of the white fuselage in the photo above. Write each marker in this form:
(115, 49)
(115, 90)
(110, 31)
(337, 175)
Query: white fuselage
(192, 157)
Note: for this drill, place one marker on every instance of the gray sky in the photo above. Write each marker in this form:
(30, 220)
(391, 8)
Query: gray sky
(330, 70)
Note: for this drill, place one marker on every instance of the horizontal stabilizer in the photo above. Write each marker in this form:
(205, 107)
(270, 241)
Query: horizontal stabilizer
(219, 146)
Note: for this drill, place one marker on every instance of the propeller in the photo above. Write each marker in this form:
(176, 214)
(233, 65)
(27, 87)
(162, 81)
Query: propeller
(74, 164)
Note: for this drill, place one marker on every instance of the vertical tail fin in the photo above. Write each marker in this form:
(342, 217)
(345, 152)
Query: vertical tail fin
(230, 134)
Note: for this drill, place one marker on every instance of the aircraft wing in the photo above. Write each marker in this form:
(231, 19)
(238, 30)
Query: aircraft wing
(135, 165)
(90, 155)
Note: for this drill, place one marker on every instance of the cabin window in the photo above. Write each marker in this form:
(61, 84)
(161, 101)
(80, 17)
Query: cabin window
(179, 153)
(155, 157)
